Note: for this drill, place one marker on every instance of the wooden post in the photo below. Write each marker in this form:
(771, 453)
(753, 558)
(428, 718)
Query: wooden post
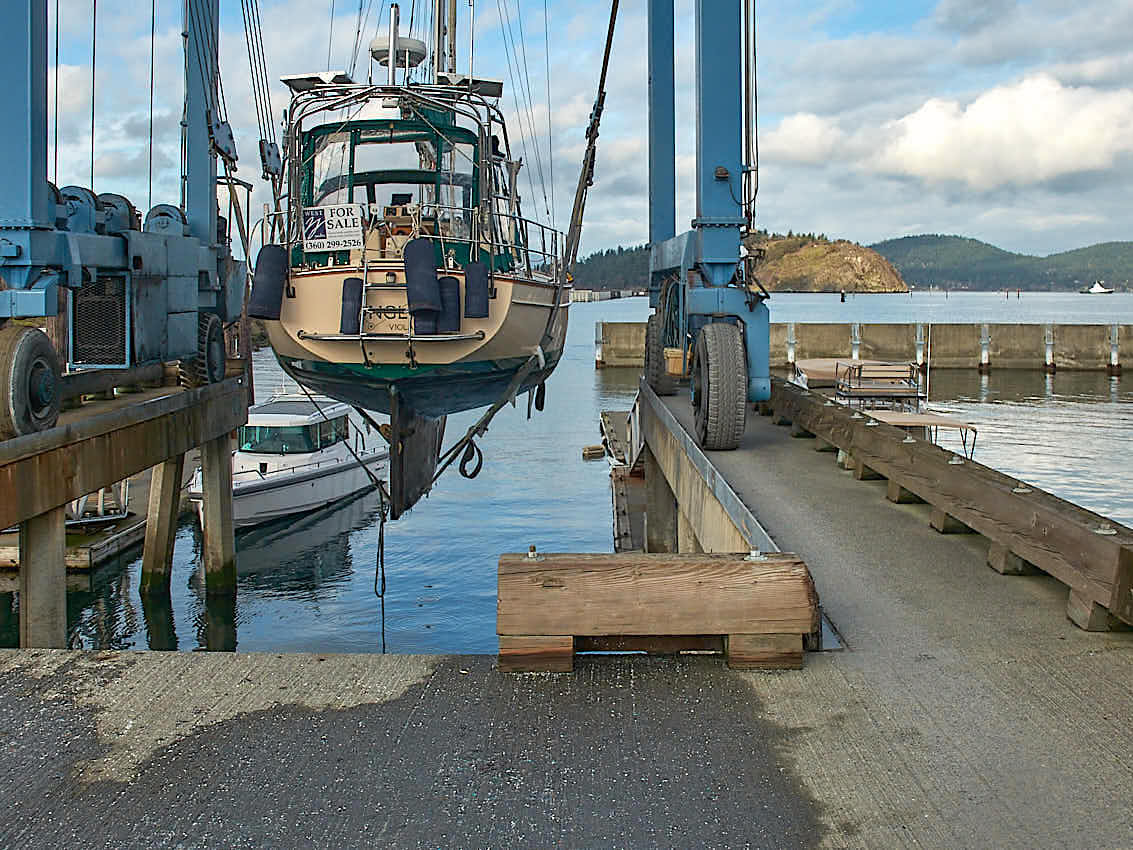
(897, 494)
(161, 524)
(946, 523)
(661, 509)
(1003, 560)
(43, 581)
(1087, 614)
(865, 473)
(220, 540)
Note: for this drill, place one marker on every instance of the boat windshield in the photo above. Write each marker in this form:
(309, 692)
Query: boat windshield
(291, 439)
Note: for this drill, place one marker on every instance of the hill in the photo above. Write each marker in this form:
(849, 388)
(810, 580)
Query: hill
(816, 264)
(961, 263)
(803, 263)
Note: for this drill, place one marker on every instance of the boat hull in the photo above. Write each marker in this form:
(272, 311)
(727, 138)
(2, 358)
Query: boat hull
(434, 374)
(281, 495)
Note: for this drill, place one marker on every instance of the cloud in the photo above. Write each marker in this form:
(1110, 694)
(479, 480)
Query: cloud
(971, 16)
(802, 138)
(1025, 133)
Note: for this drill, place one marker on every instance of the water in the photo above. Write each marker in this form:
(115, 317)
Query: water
(308, 584)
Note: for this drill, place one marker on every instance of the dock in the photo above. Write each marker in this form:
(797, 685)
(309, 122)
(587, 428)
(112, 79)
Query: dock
(981, 346)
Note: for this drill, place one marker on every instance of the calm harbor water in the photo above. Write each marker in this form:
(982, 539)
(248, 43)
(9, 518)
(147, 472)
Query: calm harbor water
(308, 584)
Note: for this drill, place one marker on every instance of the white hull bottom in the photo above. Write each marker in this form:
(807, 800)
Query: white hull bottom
(278, 496)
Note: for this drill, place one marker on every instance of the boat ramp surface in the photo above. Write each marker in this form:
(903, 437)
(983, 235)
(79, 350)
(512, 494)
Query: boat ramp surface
(965, 711)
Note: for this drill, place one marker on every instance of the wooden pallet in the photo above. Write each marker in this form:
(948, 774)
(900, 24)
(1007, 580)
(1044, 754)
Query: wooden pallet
(755, 612)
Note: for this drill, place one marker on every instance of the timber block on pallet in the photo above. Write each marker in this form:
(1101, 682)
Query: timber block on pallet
(755, 611)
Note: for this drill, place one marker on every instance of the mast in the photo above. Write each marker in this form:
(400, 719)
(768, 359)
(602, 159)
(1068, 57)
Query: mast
(451, 36)
(439, 14)
(394, 15)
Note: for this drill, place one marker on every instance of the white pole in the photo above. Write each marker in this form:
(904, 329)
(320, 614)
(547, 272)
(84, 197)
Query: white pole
(394, 13)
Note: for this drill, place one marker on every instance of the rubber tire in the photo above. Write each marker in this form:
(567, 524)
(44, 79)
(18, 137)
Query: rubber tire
(209, 365)
(656, 373)
(25, 350)
(719, 387)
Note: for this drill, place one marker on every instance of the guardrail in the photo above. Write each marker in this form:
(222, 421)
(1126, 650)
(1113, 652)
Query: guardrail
(1028, 527)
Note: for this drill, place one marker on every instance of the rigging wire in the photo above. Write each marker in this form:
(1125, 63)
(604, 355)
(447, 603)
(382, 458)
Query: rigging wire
(528, 128)
(55, 116)
(514, 96)
(526, 78)
(93, 56)
(550, 140)
(330, 35)
(152, 40)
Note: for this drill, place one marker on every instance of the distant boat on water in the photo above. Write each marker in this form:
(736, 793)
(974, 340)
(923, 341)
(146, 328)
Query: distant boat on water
(1096, 289)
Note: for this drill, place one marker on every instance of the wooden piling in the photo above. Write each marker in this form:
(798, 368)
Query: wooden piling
(220, 539)
(161, 524)
(43, 581)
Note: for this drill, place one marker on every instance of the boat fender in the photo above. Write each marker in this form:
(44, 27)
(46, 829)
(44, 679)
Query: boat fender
(425, 322)
(540, 397)
(448, 320)
(268, 282)
(476, 291)
(351, 321)
(421, 283)
(472, 452)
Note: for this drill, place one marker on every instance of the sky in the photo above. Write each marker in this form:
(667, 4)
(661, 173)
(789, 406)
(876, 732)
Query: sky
(1003, 120)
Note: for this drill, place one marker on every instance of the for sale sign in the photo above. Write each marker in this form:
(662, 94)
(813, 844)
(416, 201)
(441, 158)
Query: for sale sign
(334, 228)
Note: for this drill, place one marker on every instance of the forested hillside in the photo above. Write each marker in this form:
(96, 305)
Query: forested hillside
(960, 263)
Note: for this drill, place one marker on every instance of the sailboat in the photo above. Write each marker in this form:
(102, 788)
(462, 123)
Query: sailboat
(406, 278)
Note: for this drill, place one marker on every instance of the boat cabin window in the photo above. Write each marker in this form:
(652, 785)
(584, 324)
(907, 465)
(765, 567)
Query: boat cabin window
(334, 431)
(290, 439)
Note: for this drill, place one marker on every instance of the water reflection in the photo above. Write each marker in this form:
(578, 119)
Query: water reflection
(1065, 432)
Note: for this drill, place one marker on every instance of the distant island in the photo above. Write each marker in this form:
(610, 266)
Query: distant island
(808, 262)
(956, 262)
(804, 262)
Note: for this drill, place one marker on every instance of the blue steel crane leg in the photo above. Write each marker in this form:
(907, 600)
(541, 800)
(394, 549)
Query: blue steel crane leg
(662, 133)
(25, 204)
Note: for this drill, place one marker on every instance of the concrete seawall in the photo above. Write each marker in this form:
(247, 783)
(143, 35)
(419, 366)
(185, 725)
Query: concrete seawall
(947, 346)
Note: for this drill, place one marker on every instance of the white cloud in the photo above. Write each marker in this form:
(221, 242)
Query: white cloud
(1020, 134)
(802, 138)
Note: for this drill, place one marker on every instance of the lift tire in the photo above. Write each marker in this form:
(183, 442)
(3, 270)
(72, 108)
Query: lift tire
(29, 381)
(719, 386)
(656, 373)
(211, 360)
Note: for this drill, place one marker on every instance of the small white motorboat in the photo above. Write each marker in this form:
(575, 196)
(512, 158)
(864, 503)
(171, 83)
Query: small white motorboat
(1097, 289)
(297, 454)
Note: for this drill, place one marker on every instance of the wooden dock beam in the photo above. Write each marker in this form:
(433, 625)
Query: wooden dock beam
(40, 473)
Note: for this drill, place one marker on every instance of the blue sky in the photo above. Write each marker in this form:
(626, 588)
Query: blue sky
(1004, 120)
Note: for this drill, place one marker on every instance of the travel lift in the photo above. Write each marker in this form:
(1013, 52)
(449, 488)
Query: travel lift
(134, 293)
(702, 287)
